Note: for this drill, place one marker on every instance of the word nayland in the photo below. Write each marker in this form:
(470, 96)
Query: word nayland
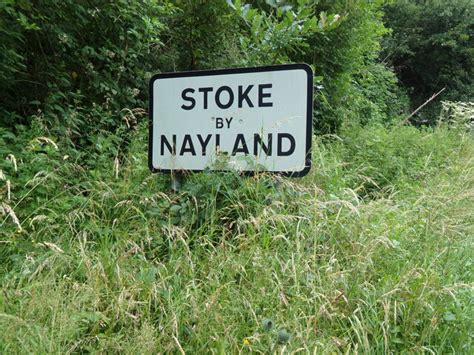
(188, 144)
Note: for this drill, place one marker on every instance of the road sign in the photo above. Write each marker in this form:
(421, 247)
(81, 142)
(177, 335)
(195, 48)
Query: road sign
(246, 119)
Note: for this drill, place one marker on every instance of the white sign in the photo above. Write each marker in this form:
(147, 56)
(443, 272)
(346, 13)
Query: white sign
(246, 119)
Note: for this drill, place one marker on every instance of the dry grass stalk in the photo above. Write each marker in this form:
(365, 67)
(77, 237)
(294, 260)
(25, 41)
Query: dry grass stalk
(12, 158)
(47, 140)
(6, 209)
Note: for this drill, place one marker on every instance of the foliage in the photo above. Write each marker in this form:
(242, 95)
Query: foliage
(198, 35)
(431, 47)
(67, 54)
(457, 114)
(376, 97)
(278, 32)
(353, 86)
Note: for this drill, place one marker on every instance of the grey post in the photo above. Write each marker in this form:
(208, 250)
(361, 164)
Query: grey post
(176, 180)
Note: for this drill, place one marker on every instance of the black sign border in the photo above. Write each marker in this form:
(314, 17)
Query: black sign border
(281, 67)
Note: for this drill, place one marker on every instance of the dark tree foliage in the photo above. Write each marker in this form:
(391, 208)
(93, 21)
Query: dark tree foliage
(431, 47)
(57, 56)
(77, 66)
(197, 35)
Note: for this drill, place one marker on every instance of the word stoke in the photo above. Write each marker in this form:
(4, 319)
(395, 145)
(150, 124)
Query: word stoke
(226, 97)
(200, 144)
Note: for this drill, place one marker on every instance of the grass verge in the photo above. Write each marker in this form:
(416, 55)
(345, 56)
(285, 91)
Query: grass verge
(372, 252)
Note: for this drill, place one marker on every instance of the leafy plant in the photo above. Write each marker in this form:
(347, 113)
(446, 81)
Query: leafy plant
(457, 114)
(68, 54)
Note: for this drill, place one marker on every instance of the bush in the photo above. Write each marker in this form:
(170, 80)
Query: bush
(66, 54)
(341, 41)
(353, 86)
(198, 35)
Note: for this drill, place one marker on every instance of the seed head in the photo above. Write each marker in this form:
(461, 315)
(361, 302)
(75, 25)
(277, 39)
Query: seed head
(267, 324)
(283, 336)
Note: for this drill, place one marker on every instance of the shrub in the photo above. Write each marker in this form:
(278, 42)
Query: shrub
(353, 86)
(67, 54)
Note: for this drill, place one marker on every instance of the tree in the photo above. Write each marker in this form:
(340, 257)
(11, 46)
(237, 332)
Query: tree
(432, 46)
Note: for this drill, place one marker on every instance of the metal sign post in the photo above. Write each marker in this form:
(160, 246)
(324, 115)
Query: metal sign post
(176, 181)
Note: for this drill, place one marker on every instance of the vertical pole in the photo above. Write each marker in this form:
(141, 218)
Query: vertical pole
(176, 181)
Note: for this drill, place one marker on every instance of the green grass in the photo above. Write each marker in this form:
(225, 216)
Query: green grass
(372, 252)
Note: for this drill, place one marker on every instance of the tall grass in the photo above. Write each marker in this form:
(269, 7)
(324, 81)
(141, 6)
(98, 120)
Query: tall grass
(370, 253)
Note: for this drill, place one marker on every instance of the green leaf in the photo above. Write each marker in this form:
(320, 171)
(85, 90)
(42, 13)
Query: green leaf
(175, 209)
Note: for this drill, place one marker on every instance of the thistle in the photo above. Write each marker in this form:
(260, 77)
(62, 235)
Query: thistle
(283, 336)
